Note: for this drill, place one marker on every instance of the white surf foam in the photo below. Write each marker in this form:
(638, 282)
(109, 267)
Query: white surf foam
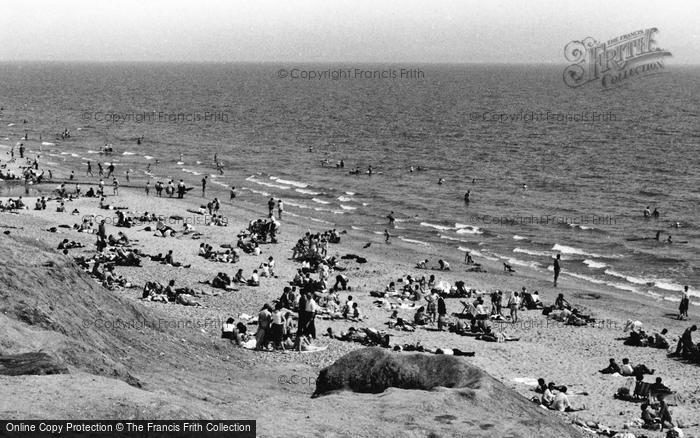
(46, 143)
(533, 252)
(307, 192)
(437, 227)
(594, 264)
(289, 182)
(347, 207)
(320, 201)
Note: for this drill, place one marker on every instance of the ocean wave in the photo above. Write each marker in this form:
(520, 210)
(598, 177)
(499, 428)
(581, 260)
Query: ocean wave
(572, 250)
(357, 228)
(289, 182)
(533, 252)
(516, 237)
(442, 236)
(594, 264)
(267, 184)
(93, 152)
(296, 204)
(46, 143)
(347, 207)
(180, 163)
(148, 157)
(344, 199)
(667, 285)
(469, 229)
(437, 227)
(585, 277)
(259, 192)
(320, 201)
(418, 242)
(307, 192)
(472, 251)
(128, 153)
(350, 193)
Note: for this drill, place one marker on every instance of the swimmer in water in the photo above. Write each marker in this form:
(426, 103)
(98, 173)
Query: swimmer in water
(369, 170)
(524, 186)
(669, 239)
(658, 234)
(387, 236)
(391, 218)
(466, 196)
(441, 181)
(181, 157)
(410, 169)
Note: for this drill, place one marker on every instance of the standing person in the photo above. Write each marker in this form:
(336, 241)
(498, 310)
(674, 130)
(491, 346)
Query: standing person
(271, 206)
(204, 186)
(115, 186)
(280, 208)
(232, 193)
(655, 213)
(148, 188)
(466, 196)
(683, 306)
(387, 236)
(557, 269)
(391, 218)
(264, 319)
(89, 169)
(100, 170)
(442, 312)
(127, 175)
(181, 189)
(110, 170)
(513, 304)
(685, 343)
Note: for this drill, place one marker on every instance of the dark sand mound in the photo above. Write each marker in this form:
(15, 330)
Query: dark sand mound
(477, 404)
(376, 369)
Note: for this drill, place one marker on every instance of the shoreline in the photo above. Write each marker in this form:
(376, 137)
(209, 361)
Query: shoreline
(560, 353)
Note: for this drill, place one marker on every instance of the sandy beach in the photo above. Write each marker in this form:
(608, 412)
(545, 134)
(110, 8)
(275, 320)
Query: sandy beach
(236, 380)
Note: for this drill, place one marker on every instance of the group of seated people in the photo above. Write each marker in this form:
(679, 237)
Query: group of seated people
(13, 204)
(554, 397)
(155, 291)
(442, 265)
(259, 230)
(314, 246)
(626, 369)
(226, 282)
(227, 256)
(638, 337)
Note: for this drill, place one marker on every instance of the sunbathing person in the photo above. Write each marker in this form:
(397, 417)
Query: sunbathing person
(443, 265)
(420, 317)
(561, 402)
(638, 370)
(612, 368)
(168, 260)
(230, 331)
(423, 264)
(660, 340)
(560, 303)
(254, 279)
(659, 388)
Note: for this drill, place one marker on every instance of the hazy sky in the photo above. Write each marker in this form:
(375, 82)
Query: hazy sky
(516, 31)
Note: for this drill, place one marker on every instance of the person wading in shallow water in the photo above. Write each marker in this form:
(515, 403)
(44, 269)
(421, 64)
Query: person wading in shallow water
(557, 269)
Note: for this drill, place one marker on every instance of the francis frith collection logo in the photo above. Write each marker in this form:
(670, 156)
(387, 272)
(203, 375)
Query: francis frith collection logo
(614, 62)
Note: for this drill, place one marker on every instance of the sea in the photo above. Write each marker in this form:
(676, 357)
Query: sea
(550, 169)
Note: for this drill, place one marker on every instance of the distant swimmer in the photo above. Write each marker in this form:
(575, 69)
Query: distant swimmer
(466, 196)
(647, 212)
(391, 218)
(658, 235)
(524, 186)
(441, 181)
(181, 157)
(655, 214)
(669, 240)
(369, 170)
(311, 148)
(341, 164)
(387, 236)
(676, 225)
(355, 171)
(410, 169)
